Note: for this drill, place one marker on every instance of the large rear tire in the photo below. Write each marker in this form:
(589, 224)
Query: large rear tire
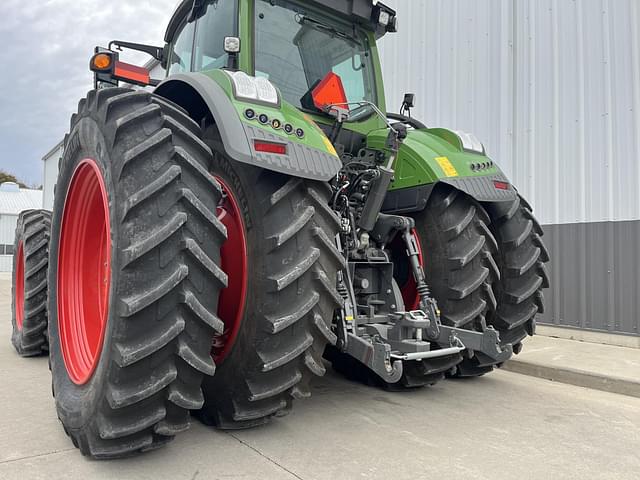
(273, 343)
(521, 258)
(485, 265)
(29, 280)
(134, 273)
(458, 258)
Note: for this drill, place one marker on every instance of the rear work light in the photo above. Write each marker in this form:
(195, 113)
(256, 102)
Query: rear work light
(270, 147)
(501, 185)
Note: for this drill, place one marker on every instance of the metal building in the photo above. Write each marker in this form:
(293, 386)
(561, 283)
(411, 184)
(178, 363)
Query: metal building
(553, 89)
(13, 200)
(50, 174)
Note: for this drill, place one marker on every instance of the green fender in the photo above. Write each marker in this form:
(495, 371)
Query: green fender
(309, 154)
(434, 155)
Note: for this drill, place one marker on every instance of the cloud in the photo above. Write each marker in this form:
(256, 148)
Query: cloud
(44, 66)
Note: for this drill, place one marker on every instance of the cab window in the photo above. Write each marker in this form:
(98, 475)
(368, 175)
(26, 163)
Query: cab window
(181, 51)
(296, 47)
(217, 22)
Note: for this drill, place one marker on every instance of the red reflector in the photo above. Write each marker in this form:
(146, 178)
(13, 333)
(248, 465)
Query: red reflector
(270, 147)
(501, 185)
(132, 73)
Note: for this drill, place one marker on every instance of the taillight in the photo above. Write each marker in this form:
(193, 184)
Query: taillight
(270, 147)
(501, 185)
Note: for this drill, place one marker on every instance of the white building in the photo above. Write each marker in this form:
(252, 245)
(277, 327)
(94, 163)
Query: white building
(50, 174)
(13, 200)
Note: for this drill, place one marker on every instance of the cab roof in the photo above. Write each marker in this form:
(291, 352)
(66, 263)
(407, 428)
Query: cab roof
(357, 11)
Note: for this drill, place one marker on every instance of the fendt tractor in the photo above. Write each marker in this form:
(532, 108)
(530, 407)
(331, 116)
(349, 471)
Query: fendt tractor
(217, 235)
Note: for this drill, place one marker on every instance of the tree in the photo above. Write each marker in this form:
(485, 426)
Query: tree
(8, 177)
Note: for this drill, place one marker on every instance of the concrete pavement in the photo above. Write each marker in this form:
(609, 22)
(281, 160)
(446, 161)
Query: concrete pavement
(500, 426)
(603, 367)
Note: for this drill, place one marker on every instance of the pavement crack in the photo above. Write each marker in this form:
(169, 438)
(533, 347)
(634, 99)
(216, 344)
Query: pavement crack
(55, 452)
(265, 456)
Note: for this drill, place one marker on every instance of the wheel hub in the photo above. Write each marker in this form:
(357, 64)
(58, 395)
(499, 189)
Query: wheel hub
(19, 286)
(231, 303)
(84, 271)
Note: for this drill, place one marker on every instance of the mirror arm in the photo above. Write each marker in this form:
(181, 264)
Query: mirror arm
(155, 52)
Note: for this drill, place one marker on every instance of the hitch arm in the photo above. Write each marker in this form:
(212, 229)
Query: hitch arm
(487, 342)
(375, 355)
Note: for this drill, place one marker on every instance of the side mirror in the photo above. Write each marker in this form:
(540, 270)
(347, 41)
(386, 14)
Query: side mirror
(164, 63)
(155, 52)
(407, 104)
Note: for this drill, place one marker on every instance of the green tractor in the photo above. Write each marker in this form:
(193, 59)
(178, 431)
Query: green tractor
(216, 236)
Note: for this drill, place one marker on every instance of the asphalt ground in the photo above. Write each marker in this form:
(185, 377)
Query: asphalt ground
(501, 426)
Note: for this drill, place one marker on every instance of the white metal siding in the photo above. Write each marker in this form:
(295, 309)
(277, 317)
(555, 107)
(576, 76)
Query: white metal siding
(551, 86)
(7, 229)
(6, 263)
(50, 177)
(7, 237)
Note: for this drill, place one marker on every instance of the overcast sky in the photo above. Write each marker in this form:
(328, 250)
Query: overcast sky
(44, 58)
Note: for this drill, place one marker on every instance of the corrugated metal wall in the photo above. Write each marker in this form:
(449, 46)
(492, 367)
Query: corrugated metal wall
(553, 89)
(551, 86)
(50, 175)
(7, 237)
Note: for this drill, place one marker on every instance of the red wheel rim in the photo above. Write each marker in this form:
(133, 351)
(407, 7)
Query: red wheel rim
(84, 271)
(232, 299)
(19, 286)
(409, 289)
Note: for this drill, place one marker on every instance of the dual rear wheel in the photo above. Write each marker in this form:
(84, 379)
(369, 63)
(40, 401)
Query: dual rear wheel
(485, 267)
(142, 304)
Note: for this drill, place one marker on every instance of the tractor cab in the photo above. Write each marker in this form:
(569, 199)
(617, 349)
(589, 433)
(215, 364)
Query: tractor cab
(296, 46)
